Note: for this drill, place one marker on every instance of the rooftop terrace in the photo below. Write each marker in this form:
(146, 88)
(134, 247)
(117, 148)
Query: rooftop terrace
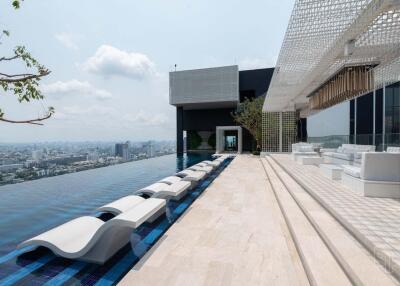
(256, 224)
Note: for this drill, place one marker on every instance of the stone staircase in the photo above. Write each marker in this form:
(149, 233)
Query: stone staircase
(330, 255)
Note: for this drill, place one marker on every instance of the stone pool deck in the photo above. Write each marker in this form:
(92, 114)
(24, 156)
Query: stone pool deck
(256, 225)
(234, 234)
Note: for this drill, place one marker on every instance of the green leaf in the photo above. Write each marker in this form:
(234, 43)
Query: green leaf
(15, 4)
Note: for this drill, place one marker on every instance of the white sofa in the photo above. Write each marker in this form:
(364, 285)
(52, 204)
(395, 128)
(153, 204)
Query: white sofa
(302, 149)
(378, 175)
(393, 149)
(347, 154)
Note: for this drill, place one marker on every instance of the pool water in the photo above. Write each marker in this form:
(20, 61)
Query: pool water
(33, 207)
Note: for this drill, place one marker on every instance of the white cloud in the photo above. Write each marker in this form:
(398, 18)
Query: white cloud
(110, 61)
(146, 118)
(75, 87)
(256, 63)
(91, 110)
(68, 40)
(113, 117)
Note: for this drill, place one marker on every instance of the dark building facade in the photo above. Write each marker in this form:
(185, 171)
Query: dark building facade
(381, 129)
(369, 119)
(200, 119)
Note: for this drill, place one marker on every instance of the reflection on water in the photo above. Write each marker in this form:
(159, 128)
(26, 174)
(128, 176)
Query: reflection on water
(32, 207)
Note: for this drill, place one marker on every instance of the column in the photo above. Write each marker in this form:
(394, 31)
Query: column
(384, 115)
(373, 116)
(280, 131)
(355, 120)
(179, 130)
(240, 140)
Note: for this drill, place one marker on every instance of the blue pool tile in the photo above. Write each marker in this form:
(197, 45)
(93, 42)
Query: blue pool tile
(66, 274)
(56, 271)
(14, 254)
(20, 274)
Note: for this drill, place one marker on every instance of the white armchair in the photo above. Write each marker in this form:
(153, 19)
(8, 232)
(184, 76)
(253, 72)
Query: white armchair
(303, 150)
(378, 176)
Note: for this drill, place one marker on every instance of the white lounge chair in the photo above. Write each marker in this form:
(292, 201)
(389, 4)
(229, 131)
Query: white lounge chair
(207, 169)
(216, 155)
(202, 164)
(121, 205)
(170, 180)
(162, 190)
(378, 176)
(194, 177)
(212, 163)
(91, 239)
(221, 159)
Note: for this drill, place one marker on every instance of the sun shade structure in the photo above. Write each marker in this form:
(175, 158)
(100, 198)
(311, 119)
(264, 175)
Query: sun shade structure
(323, 37)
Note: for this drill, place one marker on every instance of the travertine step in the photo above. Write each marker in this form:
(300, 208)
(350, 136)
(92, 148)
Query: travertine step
(355, 260)
(319, 263)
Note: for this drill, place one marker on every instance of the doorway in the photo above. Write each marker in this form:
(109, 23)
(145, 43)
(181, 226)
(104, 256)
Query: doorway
(228, 139)
(231, 140)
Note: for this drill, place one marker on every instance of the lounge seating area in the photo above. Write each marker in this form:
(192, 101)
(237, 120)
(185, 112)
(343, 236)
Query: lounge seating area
(358, 167)
(303, 149)
(347, 154)
(93, 239)
(378, 175)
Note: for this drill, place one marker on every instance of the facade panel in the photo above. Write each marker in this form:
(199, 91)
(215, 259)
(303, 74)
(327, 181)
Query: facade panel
(210, 85)
(270, 131)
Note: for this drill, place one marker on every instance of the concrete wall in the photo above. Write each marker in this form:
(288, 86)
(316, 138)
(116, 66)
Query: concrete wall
(332, 121)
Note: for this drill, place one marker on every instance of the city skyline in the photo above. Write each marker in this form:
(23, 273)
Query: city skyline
(109, 79)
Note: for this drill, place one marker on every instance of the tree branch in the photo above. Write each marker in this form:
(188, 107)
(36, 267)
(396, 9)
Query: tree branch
(15, 75)
(29, 121)
(24, 77)
(10, 58)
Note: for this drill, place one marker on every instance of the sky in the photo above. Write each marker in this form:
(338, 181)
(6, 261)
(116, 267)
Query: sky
(110, 60)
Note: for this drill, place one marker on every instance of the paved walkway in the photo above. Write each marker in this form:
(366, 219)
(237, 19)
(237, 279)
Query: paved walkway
(234, 234)
(374, 221)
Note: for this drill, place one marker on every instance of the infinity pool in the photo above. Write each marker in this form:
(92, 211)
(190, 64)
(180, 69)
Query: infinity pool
(30, 208)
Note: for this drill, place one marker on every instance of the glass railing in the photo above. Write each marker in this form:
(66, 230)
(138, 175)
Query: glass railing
(381, 141)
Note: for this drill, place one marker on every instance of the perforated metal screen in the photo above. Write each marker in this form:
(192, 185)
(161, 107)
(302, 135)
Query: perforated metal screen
(314, 46)
(204, 85)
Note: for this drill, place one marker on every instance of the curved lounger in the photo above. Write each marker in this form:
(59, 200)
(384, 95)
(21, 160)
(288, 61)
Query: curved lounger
(91, 239)
(153, 188)
(202, 164)
(214, 163)
(121, 205)
(207, 169)
(161, 190)
(194, 177)
(170, 180)
(222, 158)
(216, 155)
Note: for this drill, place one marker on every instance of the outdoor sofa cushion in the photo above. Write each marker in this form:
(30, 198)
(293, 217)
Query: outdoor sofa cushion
(352, 171)
(380, 166)
(393, 149)
(343, 156)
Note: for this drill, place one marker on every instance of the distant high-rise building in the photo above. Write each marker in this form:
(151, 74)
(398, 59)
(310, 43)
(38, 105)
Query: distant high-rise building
(150, 149)
(93, 156)
(37, 155)
(122, 150)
